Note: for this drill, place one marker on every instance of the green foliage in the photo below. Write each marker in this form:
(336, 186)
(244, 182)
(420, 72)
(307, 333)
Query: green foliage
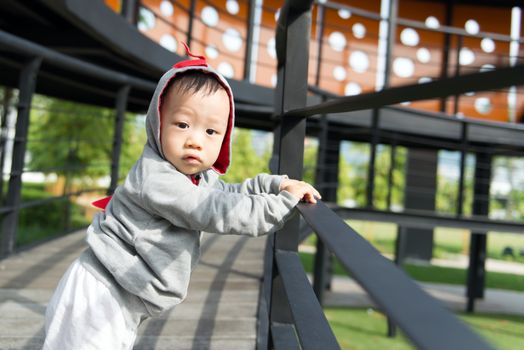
(353, 173)
(246, 163)
(45, 220)
(310, 160)
(76, 141)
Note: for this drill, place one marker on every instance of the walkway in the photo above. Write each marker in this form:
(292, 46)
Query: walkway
(219, 313)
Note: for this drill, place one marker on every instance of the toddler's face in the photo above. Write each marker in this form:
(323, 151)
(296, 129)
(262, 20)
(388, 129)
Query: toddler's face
(193, 128)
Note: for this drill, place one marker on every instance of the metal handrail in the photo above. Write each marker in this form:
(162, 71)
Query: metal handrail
(422, 318)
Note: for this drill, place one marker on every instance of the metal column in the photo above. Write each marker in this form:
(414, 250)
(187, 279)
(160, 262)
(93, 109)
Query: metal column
(190, 25)
(326, 181)
(292, 41)
(421, 183)
(477, 249)
(121, 105)
(26, 88)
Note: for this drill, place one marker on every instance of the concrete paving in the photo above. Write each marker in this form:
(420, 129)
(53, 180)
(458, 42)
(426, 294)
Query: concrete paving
(219, 313)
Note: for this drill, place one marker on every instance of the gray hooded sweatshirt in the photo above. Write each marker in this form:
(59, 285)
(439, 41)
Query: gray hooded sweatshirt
(147, 241)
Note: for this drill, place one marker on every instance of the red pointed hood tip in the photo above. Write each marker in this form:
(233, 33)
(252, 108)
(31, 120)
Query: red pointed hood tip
(101, 203)
(199, 62)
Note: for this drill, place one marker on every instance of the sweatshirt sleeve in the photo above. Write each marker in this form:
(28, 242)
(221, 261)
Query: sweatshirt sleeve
(213, 210)
(262, 183)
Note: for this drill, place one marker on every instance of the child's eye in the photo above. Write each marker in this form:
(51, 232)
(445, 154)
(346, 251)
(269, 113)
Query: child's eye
(182, 125)
(211, 131)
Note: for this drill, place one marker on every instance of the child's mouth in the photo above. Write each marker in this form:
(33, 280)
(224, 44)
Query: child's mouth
(192, 159)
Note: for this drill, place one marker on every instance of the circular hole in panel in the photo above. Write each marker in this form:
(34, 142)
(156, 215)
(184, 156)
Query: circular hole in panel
(487, 68)
(432, 22)
(232, 7)
(146, 20)
(423, 55)
(337, 41)
(274, 80)
(344, 13)
(409, 37)
(339, 73)
(169, 42)
(232, 39)
(211, 51)
(166, 7)
(403, 67)
(226, 69)
(483, 105)
(466, 56)
(352, 89)
(487, 45)
(472, 26)
(271, 48)
(359, 30)
(209, 16)
(359, 61)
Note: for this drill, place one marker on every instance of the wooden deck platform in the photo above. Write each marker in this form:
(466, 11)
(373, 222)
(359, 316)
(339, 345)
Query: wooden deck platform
(219, 313)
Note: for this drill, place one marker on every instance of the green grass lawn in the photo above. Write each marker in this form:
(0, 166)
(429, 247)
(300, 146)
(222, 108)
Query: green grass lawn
(437, 274)
(449, 242)
(366, 329)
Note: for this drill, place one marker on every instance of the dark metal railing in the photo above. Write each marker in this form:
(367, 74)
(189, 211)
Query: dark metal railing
(29, 71)
(295, 319)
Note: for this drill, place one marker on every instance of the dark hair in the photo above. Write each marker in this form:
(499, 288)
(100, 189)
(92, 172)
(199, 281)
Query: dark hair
(193, 81)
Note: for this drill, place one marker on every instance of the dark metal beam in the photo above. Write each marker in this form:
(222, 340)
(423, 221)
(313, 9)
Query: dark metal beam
(248, 54)
(411, 218)
(121, 104)
(422, 318)
(311, 325)
(29, 49)
(292, 41)
(495, 79)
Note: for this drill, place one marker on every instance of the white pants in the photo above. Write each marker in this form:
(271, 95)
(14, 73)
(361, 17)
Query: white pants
(84, 314)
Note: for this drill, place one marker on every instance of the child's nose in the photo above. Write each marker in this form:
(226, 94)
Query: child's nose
(193, 141)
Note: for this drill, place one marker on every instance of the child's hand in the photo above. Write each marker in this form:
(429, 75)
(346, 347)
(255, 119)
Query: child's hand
(300, 189)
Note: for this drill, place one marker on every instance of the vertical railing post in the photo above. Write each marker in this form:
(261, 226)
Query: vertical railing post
(321, 17)
(292, 44)
(477, 249)
(326, 181)
(391, 172)
(463, 154)
(191, 14)
(445, 52)
(6, 106)
(130, 10)
(248, 57)
(372, 158)
(26, 86)
(460, 43)
(390, 41)
(121, 105)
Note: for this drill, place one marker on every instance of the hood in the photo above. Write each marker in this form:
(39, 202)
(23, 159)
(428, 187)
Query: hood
(153, 121)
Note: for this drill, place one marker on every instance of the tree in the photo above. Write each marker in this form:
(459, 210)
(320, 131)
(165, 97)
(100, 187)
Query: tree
(75, 141)
(246, 162)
